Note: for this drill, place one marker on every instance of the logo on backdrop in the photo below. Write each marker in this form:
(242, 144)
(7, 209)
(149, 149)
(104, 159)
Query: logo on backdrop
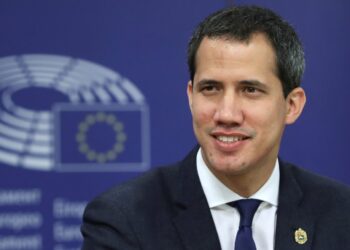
(67, 114)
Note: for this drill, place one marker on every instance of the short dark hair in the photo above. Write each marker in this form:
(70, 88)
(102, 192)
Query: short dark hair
(240, 23)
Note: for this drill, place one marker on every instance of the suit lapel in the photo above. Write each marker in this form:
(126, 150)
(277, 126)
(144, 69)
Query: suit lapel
(193, 219)
(196, 227)
(292, 214)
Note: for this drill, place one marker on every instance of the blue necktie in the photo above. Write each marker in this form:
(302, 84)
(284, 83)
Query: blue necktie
(247, 209)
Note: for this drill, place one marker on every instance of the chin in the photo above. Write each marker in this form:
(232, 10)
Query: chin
(227, 166)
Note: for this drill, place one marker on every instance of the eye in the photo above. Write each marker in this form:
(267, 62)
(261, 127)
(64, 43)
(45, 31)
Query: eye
(253, 88)
(250, 90)
(209, 88)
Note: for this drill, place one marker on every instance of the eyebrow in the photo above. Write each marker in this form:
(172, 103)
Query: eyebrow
(249, 83)
(208, 81)
(254, 83)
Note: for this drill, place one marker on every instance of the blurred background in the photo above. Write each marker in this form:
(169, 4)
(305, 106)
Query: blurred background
(93, 93)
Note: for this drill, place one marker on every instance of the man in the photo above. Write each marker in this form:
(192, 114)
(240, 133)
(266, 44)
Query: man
(246, 65)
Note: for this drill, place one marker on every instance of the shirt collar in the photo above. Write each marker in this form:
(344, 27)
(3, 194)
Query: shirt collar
(218, 194)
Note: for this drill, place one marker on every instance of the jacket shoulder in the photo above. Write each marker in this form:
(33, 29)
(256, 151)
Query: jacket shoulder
(155, 185)
(124, 215)
(321, 190)
(158, 187)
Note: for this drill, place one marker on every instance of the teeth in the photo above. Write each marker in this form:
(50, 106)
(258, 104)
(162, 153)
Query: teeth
(229, 139)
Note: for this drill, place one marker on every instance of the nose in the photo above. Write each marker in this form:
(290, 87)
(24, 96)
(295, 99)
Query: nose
(229, 110)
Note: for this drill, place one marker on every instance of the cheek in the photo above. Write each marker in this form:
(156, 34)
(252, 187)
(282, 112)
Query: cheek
(269, 117)
(203, 114)
(273, 122)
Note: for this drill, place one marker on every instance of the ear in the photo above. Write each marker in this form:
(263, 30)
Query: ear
(295, 101)
(190, 93)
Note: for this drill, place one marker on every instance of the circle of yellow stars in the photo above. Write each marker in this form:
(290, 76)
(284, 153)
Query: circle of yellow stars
(120, 137)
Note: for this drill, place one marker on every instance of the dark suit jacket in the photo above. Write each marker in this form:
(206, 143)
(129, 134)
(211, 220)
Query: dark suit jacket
(166, 209)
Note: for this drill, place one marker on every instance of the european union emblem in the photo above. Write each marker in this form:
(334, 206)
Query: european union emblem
(101, 137)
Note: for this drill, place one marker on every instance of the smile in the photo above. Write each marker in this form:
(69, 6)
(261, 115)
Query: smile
(230, 139)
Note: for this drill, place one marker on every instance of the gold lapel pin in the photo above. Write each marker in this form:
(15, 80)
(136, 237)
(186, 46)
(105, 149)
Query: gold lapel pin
(300, 236)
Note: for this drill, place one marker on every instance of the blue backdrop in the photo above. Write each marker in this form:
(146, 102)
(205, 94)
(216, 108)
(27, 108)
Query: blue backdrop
(93, 93)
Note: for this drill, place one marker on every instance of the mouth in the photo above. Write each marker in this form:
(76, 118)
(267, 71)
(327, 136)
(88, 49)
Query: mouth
(230, 138)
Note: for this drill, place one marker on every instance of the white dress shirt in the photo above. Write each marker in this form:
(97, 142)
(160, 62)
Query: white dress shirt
(227, 218)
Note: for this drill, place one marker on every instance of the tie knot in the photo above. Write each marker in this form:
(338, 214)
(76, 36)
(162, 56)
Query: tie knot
(246, 209)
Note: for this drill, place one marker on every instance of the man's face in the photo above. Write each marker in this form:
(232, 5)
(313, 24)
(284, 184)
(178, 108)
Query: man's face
(237, 104)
